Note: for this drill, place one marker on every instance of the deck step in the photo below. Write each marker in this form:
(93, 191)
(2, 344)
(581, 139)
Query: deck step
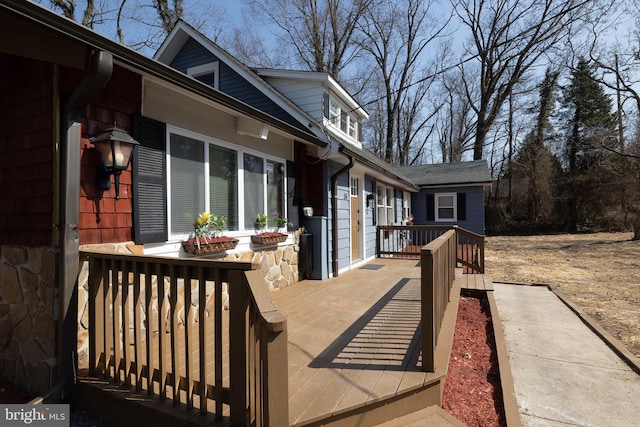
(380, 411)
(433, 416)
(477, 282)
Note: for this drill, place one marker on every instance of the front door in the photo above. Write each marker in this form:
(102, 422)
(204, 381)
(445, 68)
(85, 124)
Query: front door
(355, 220)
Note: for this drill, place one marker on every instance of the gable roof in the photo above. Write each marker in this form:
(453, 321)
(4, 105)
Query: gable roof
(281, 106)
(320, 77)
(463, 173)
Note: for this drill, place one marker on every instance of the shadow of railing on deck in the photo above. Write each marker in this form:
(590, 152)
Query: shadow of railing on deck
(386, 337)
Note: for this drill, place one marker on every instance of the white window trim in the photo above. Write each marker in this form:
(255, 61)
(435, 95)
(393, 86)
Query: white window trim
(437, 207)
(240, 151)
(335, 118)
(406, 205)
(211, 67)
(386, 203)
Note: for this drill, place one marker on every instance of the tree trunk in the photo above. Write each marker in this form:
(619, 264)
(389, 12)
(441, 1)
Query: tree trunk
(636, 226)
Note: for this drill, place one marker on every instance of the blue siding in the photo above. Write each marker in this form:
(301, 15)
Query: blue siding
(474, 213)
(344, 220)
(369, 227)
(230, 82)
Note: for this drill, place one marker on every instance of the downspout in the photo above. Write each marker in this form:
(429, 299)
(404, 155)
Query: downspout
(334, 211)
(100, 68)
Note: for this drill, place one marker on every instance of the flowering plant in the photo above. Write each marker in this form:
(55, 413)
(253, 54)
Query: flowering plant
(206, 222)
(202, 224)
(280, 221)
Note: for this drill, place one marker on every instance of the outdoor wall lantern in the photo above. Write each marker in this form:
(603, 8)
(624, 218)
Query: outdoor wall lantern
(370, 198)
(115, 147)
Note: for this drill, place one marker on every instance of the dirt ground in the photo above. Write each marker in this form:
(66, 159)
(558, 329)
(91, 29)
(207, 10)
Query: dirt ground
(599, 272)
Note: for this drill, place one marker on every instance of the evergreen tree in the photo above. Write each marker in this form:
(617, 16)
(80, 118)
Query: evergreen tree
(591, 121)
(535, 167)
(590, 125)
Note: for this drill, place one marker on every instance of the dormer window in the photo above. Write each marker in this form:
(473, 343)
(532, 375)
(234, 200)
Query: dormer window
(352, 128)
(334, 113)
(206, 73)
(341, 118)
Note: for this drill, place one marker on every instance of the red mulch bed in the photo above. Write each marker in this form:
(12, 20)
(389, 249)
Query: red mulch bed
(472, 391)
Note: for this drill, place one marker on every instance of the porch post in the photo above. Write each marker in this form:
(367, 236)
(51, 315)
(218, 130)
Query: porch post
(427, 309)
(238, 358)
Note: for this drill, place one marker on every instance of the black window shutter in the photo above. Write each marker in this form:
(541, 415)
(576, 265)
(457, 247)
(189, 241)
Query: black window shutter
(325, 104)
(375, 201)
(293, 205)
(149, 181)
(396, 196)
(431, 207)
(462, 207)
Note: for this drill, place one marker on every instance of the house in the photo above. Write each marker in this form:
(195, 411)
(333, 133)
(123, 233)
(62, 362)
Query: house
(338, 177)
(213, 135)
(450, 194)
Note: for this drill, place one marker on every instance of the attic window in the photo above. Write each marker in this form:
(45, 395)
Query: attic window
(340, 118)
(206, 73)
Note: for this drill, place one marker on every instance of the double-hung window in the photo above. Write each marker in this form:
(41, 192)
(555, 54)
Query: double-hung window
(385, 205)
(406, 205)
(341, 118)
(263, 184)
(334, 113)
(208, 175)
(352, 127)
(446, 207)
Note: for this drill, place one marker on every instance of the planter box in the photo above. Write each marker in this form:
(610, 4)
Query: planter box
(209, 245)
(269, 238)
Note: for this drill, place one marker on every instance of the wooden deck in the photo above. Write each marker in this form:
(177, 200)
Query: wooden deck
(354, 341)
(353, 346)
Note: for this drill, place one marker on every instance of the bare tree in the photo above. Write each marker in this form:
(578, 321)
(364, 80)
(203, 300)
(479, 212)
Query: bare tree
(396, 35)
(169, 14)
(319, 31)
(144, 24)
(456, 122)
(618, 61)
(508, 39)
(68, 9)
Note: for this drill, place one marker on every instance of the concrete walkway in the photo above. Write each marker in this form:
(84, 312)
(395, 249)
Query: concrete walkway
(563, 373)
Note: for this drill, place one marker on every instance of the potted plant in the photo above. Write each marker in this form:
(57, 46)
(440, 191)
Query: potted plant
(265, 237)
(280, 221)
(208, 237)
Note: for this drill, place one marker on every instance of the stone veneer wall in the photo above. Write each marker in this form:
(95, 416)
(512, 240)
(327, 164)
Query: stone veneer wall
(279, 266)
(28, 316)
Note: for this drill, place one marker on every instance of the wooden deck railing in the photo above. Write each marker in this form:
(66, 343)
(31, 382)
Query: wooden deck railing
(161, 325)
(470, 250)
(406, 241)
(437, 263)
